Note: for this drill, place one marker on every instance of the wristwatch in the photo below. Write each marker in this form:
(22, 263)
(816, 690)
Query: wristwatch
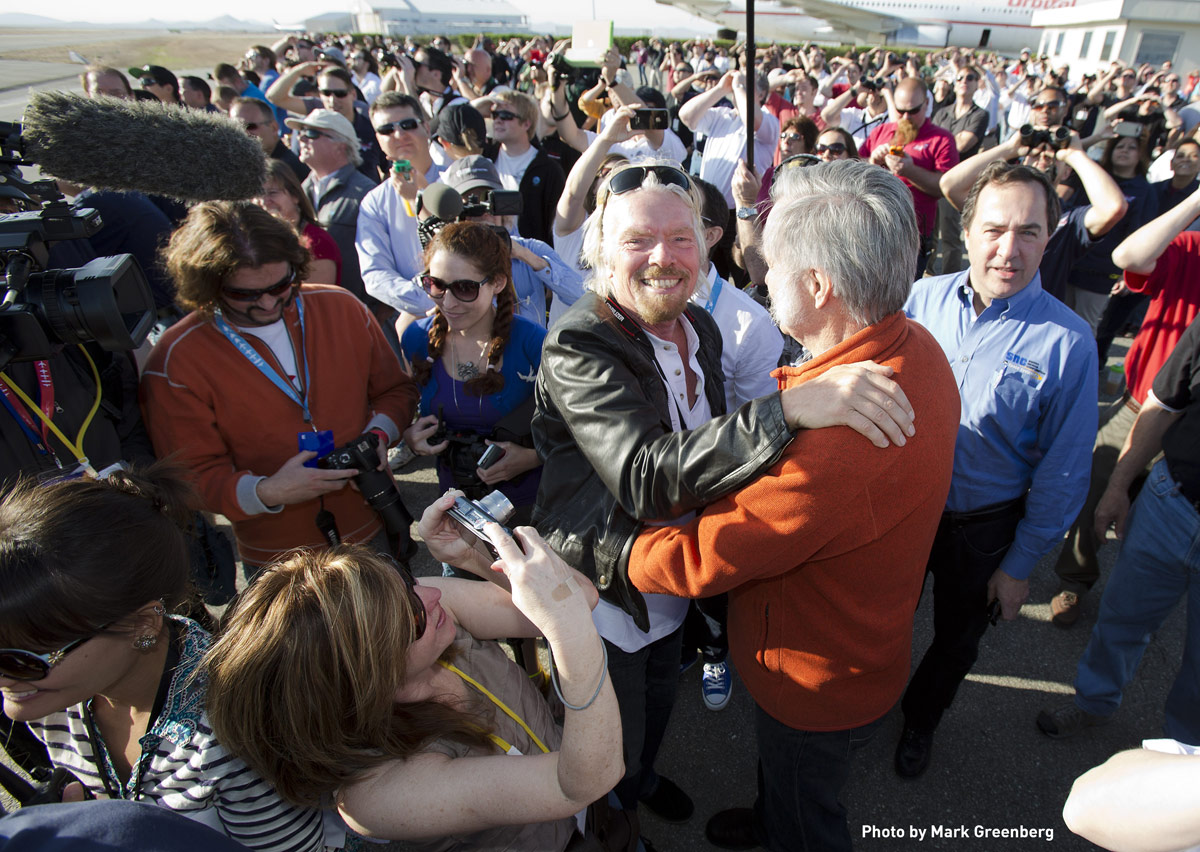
(747, 213)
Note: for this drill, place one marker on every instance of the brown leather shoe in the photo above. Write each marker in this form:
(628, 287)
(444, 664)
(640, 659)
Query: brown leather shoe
(1064, 608)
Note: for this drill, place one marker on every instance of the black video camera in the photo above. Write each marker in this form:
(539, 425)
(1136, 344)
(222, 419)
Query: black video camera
(1056, 137)
(377, 486)
(108, 300)
(499, 202)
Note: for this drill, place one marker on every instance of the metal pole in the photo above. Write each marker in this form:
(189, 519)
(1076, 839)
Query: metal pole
(751, 85)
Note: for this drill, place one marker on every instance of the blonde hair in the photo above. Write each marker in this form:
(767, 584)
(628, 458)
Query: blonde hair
(302, 681)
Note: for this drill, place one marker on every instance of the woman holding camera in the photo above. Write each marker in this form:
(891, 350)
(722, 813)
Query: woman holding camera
(476, 362)
(102, 672)
(339, 676)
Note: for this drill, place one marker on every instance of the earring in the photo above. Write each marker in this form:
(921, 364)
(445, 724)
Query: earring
(145, 642)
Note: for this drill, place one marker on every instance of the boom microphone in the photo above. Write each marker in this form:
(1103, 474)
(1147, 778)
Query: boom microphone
(442, 202)
(142, 147)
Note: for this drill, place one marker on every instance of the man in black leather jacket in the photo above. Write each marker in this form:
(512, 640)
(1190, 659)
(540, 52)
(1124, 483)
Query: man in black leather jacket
(611, 440)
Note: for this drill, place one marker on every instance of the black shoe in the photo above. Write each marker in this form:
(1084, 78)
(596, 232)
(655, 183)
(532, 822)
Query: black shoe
(732, 829)
(668, 802)
(912, 752)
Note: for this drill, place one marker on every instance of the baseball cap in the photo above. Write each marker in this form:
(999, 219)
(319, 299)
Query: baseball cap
(162, 76)
(473, 172)
(334, 53)
(450, 123)
(333, 123)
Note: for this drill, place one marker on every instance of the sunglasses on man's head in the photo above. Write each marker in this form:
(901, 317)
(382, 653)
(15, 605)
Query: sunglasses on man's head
(334, 93)
(505, 115)
(17, 664)
(634, 176)
(969, 78)
(835, 148)
(237, 294)
(1046, 104)
(919, 108)
(406, 124)
(464, 289)
(311, 133)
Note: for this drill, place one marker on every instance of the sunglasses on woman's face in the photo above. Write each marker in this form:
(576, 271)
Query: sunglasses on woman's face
(835, 148)
(464, 289)
(418, 605)
(16, 664)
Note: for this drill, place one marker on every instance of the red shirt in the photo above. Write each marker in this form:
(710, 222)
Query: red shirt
(323, 247)
(1175, 287)
(933, 149)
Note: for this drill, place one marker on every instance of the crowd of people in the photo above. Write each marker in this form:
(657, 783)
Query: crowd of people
(732, 338)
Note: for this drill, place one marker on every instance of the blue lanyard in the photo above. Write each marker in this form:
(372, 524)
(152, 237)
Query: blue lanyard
(266, 369)
(714, 295)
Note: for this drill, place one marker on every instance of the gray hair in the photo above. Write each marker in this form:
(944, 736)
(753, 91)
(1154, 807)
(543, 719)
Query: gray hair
(597, 248)
(853, 220)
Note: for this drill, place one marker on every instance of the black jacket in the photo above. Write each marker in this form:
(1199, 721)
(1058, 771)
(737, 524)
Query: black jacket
(541, 186)
(610, 460)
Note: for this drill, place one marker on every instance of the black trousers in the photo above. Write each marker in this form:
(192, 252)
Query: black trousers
(966, 552)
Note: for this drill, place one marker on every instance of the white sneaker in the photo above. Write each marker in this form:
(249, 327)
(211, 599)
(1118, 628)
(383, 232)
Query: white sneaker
(715, 685)
(399, 456)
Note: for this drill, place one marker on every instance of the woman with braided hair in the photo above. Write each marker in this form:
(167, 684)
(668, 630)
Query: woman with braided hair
(476, 362)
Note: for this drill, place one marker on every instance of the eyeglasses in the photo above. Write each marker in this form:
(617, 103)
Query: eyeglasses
(968, 78)
(1171, 80)
(334, 93)
(148, 81)
(16, 664)
(505, 115)
(312, 133)
(464, 289)
(1046, 104)
(835, 148)
(236, 294)
(633, 177)
(919, 108)
(418, 605)
(790, 137)
(406, 124)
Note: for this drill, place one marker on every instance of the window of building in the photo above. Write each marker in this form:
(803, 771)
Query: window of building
(1110, 38)
(1059, 43)
(1157, 48)
(1087, 43)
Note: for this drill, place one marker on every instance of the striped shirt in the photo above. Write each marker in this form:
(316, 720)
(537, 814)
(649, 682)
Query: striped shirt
(182, 766)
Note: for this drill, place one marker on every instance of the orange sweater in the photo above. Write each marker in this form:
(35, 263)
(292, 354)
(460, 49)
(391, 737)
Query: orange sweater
(824, 555)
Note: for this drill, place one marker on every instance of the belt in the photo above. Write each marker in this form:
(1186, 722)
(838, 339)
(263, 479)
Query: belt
(988, 513)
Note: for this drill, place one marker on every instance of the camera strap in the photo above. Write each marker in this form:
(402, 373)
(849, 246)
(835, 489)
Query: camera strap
(45, 412)
(260, 363)
(327, 524)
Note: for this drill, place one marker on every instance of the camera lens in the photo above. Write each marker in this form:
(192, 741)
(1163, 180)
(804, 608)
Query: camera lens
(498, 506)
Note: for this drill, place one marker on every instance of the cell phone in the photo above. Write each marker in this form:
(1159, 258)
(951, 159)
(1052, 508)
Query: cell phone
(490, 456)
(649, 118)
(994, 611)
(1127, 128)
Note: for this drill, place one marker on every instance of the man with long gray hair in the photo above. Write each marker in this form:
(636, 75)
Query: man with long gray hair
(628, 425)
(832, 516)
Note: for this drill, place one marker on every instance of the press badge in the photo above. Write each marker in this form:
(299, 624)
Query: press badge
(320, 443)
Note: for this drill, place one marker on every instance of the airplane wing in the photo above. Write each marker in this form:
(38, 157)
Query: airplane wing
(710, 10)
(847, 17)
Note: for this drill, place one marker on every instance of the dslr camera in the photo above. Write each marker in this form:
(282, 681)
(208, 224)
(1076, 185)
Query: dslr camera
(377, 486)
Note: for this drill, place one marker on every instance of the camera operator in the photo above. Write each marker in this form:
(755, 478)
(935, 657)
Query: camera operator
(260, 365)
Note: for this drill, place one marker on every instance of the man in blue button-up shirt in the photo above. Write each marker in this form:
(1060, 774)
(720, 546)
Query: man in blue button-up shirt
(1027, 372)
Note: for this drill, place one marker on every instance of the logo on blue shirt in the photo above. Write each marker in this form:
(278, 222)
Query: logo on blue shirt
(1027, 364)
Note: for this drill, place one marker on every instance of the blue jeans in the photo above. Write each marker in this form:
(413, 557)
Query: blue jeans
(645, 682)
(1159, 563)
(800, 780)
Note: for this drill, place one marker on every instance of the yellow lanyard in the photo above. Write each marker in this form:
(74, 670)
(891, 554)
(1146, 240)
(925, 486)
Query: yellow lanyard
(504, 746)
(76, 448)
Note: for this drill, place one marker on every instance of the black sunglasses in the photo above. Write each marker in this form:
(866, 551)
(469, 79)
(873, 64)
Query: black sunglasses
(634, 176)
(148, 81)
(16, 664)
(406, 124)
(238, 295)
(418, 605)
(464, 289)
(970, 78)
(836, 148)
(311, 133)
(505, 115)
(917, 109)
(1046, 104)
(334, 93)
